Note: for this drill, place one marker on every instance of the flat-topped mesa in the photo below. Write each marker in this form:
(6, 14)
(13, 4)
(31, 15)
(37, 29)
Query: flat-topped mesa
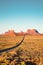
(10, 33)
(32, 31)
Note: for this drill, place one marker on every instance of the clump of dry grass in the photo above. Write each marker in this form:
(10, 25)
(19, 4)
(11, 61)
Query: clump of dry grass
(31, 50)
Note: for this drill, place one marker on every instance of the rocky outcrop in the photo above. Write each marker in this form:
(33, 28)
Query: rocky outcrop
(28, 32)
(32, 31)
(10, 33)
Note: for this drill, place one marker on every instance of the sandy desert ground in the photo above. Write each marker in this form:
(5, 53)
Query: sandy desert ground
(30, 50)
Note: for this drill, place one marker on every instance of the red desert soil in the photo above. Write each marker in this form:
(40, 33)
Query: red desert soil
(31, 48)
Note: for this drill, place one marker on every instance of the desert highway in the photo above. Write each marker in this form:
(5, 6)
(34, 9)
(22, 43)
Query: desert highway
(8, 49)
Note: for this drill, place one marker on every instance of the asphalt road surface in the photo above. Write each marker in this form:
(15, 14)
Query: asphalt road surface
(8, 49)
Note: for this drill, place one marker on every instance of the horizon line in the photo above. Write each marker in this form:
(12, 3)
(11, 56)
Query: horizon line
(20, 31)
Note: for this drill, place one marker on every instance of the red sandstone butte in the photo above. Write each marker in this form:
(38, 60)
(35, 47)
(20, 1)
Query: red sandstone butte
(32, 31)
(10, 33)
(28, 32)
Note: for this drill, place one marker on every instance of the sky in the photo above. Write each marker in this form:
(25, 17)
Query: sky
(21, 15)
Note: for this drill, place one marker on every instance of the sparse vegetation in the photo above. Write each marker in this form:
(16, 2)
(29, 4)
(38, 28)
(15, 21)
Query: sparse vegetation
(29, 52)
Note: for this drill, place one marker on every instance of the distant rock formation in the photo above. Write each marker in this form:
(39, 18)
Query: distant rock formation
(20, 33)
(10, 33)
(32, 31)
(28, 32)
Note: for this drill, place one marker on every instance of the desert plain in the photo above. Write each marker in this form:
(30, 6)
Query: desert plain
(29, 52)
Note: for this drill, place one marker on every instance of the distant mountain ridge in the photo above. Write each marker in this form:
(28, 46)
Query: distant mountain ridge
(29, 31)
